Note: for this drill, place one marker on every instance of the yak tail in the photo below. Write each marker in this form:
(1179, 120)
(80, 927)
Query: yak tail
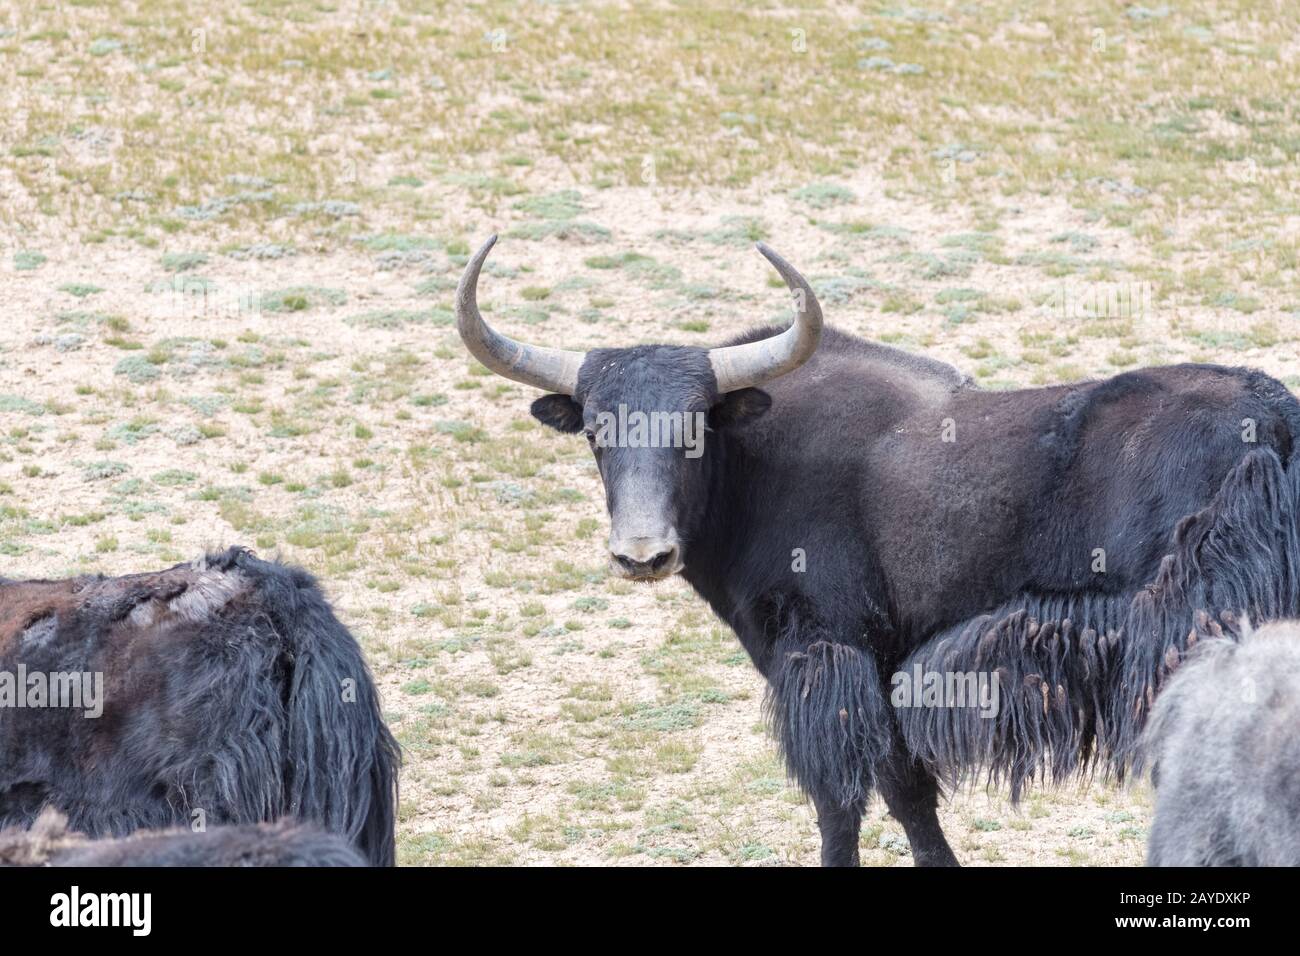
(1077, 675)
(341, 759)
(1239, 556)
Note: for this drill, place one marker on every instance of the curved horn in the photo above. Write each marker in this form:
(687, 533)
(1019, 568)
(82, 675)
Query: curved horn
(555, 370)
(743, 366)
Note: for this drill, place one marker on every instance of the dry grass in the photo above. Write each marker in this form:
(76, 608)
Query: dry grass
(974, 197)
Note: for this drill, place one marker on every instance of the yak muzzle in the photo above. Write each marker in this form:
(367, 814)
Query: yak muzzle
(646, 558)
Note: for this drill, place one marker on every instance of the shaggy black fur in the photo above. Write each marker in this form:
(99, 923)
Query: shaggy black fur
(283, 843)
(844, 517)
(230, 688)
(827, 711)
(1079, 674)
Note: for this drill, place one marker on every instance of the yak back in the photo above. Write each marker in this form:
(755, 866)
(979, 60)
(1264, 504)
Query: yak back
(927, 500)
(229, 689)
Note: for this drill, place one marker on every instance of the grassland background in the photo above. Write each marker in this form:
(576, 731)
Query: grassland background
(948, 175)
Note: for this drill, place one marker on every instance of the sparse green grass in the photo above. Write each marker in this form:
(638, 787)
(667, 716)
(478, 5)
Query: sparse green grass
(953, 180)
(981, 96)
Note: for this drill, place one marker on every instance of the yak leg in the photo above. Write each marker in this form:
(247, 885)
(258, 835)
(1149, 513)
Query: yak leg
(839, 828)
(831, 723)
(912, 795)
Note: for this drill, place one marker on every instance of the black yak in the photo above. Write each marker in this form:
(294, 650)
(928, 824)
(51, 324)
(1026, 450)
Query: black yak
(1080, 673)
(867, 510)
(49, 842)
(1225, 755)
(223, 691)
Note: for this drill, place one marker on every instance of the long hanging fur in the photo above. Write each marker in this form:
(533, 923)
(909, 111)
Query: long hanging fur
(827, 711)
(1078, 675)
(343, 768)
(49, 842)
(230, 689)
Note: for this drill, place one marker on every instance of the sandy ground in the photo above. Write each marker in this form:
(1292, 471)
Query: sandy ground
(479, 784)
(549, 713)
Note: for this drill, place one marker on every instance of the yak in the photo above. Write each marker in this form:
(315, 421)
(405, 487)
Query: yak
(856, 512)
(49, 842)
(1224, 754)
(222, 691)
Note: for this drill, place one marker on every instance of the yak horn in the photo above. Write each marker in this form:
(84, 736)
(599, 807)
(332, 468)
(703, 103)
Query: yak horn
(744, 366)
(555, 370)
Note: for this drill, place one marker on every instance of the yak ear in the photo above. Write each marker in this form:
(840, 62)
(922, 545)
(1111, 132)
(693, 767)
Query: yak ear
(559, 412)
(742, 405)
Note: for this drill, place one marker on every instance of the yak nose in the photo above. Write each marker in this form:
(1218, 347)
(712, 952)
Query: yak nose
(645, 557)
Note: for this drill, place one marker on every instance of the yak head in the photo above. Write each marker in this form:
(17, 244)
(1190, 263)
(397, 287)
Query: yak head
(650, 413)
